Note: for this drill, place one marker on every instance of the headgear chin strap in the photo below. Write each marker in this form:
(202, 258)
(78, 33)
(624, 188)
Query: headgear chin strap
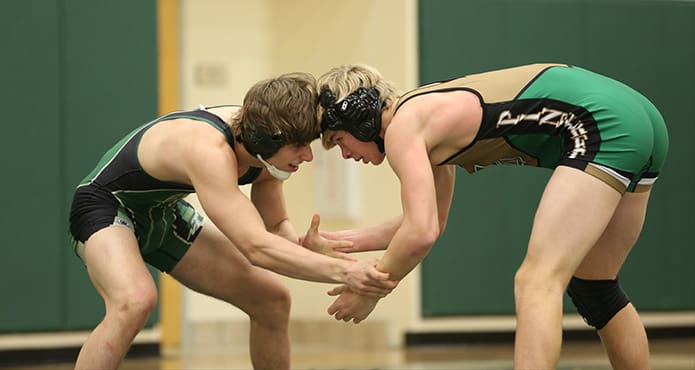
(274, 171)
(359, 114)
(263, 146)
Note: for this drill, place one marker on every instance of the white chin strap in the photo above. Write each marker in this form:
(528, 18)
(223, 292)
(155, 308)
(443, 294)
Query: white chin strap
(276, 173)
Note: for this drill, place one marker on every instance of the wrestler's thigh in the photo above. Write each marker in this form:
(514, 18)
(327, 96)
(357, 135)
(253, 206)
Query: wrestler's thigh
(573, 212)
(607, 256)
(214, 266)
(115, 266)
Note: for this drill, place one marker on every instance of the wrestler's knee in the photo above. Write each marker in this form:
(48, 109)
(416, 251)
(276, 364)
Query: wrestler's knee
(534, 278)
(272, 306)
(132, 307)
(597, 301)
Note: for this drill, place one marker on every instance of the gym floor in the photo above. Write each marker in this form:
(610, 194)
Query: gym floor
(667, 354)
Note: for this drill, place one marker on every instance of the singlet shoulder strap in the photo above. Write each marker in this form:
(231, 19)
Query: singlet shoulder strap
(487, 85)
(205, 116)
(217, 122)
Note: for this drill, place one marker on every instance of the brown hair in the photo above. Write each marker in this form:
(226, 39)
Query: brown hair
(284, 104)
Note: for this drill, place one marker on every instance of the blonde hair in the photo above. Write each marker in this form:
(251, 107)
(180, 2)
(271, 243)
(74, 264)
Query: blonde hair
(346, 79)
(284, 104)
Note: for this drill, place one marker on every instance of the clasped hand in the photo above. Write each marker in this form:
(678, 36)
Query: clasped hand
(359, 296)
(350, 305)
(361, 277)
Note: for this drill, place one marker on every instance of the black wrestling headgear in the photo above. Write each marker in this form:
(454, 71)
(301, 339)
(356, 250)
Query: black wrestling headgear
(359, 114)
(263, 143)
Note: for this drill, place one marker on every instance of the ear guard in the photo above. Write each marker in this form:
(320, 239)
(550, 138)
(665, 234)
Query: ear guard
(260, 143)
(359, 114)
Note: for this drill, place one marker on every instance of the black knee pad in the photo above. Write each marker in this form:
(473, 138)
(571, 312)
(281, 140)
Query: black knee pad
(597, 300)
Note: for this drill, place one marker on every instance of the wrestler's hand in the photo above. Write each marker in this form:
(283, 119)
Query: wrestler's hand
(363, 278)
(315, 242)
(350, 306)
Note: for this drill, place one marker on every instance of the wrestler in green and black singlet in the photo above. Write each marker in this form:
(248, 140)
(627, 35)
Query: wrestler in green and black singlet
(555, 114)
(119, 192)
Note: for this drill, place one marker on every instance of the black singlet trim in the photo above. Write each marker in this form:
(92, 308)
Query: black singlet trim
(480, 98)
(448, 89)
